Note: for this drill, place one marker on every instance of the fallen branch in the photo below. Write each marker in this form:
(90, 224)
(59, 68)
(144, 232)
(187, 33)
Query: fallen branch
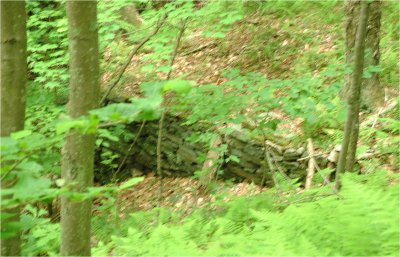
(278, 148)
(311, 164)
(111, 124)
(129, 149)
(267, 157)
(15, 165)
(247, 175)
(384, 109)
(200, 48)
(134, 51)
(209, 166)
(310, 156)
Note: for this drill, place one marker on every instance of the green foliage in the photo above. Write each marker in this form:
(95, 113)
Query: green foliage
(23, 166)
(47, 43)
(48, 39)
(40, 235)
(251, 97)
(31, 158)
(21, 160)
(388, 45)
(178, 86)
(285, 9)
(359, 221)
(383, 135)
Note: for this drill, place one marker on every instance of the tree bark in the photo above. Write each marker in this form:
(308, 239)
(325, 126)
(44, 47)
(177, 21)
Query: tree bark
(372, 93)
(349, 144)
(13, 88)
(78, 151)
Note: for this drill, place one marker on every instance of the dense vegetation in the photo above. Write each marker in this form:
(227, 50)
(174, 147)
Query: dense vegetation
(273, 69)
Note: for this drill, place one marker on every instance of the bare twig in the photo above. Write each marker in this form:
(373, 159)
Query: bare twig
(311, 164)
(384, 109)
(15, 165)
(161, 122)
(325, 178)
(134, 51)
(209, 167)
(130, 149)
(267, 156)
(311, 156)
(110, 124)
(200, 48)
(138, 30)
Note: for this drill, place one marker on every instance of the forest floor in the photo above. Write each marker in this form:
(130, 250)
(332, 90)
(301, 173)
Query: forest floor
(180, 194)
(204, 60)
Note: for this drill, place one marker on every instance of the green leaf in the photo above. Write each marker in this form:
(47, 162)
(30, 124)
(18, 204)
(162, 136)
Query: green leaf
(273, 124)
(35, 141)
(177, 85)
(21, 134)
(150, 108)
(93, 192)
(116, 112)
(131, 182)
(233, 158)
(8, 145)
(65, 125)
(30, 166)
(30, 187)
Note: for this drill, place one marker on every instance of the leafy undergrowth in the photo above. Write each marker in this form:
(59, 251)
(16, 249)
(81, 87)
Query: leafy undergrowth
(299, 46)
(240, 220)
(289, 55)
(360, 221)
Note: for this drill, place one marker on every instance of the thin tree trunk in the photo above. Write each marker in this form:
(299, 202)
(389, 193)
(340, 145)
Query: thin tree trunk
(78, 151)
(351, 155)
(13, 87)
(351, 127)
(372, 93)
(311, 164)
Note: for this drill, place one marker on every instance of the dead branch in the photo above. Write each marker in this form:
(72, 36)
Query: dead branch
(200, 48)
(209, 166)
(311, 164)
(311, 156)
(130, 149)
(134, 51)
(161, 123)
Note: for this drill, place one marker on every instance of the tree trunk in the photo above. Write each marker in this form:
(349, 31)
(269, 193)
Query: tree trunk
(13, 87)
(372, 93)
(78, 151)
(349, 144)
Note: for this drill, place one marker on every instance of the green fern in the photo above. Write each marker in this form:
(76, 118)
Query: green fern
(361, 221)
